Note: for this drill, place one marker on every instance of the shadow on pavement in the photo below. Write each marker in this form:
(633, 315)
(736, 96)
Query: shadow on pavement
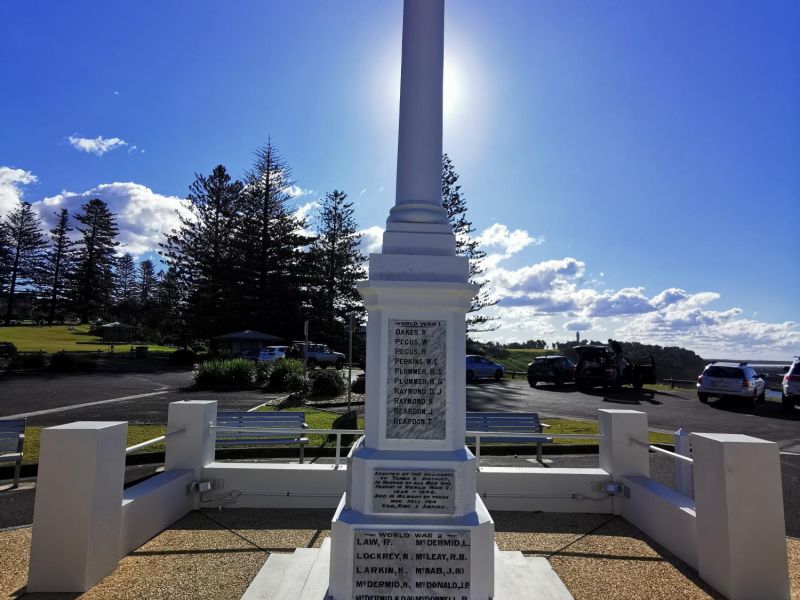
(772, 410)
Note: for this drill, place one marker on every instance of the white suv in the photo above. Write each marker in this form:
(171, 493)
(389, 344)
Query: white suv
(731, 380)
(791, 385)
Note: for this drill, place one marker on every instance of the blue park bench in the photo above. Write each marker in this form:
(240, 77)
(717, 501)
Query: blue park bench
(12, 439)
(277, 421)
(516, 423)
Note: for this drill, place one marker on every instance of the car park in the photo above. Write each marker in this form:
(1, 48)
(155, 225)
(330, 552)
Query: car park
(480, 367)
(790, 386)
(551, 369)
(731, 380)
(607, 366)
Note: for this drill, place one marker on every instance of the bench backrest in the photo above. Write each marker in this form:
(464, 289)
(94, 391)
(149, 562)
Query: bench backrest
(504, 422)
(277, 420)
(10, 432)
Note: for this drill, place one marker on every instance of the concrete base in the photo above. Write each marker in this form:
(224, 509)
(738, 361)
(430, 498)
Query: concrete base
(304, 576)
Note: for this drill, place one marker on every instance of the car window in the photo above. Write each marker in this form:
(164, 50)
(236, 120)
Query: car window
(725, 372)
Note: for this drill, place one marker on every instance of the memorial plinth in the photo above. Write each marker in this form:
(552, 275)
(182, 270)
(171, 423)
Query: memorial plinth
(410, 524)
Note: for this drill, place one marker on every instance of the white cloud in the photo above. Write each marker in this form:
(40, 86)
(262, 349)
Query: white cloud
(304, 210)
(362, 192)
(511, 242)
(97, 146)
(295, 191)
(371, 240)
(579, 325)
(11, 182)
(143, 216)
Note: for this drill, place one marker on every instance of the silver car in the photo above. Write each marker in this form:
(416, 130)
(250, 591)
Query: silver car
(790, 386)
(731, 380)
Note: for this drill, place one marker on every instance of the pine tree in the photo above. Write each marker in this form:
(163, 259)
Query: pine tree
(146, 281)
(58, 265)
(125, 279)
(94, 275)
(455, 204)
(202, 252)
(5, 257)
(25, 247)
(271, 248)
(336, 265)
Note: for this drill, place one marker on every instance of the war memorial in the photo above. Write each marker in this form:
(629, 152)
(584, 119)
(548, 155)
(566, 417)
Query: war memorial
(411, 521)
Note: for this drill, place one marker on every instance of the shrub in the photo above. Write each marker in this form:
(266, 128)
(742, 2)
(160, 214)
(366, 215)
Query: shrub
(327, 383)
(61, 361)
(28, 360)
(263, 369)
(359, 386)
(183, 357)
(280, 373)
(235, 372)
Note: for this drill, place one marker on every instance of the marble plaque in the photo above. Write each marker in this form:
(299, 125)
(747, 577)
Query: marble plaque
(413, 491)
(416, 390)
(395, 564)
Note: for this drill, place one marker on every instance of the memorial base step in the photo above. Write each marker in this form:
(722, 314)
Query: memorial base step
(304, 576)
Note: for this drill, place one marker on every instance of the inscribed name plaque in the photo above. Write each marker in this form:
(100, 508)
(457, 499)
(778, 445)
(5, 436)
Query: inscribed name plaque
(416, 390)
(393, 565)
(407, 491)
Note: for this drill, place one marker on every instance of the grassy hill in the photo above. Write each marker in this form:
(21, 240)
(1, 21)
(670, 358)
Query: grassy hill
(59, 337)
(517, 360)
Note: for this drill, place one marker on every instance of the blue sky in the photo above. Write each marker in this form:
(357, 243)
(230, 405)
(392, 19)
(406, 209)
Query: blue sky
(632, 169)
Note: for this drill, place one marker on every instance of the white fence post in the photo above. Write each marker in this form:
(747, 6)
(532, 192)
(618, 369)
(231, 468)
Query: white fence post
(683, 470)
(78, 506)
(194, 448)
(741, 535)
(619, 455)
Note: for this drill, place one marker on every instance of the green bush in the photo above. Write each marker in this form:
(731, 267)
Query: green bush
(61, 361)
(234, 372)
(263, 369)
(182, 357)
(280, 373)
(327, 383)
(28, 360)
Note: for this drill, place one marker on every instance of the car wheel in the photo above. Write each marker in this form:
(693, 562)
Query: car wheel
(762, 397)
(702, 397)
(470, 376)
(557, 381)
(339, 364)
(312, 363)
(498, 375)
(787, 402)
(532, 382)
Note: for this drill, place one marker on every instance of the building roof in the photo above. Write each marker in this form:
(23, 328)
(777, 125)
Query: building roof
(248, 335)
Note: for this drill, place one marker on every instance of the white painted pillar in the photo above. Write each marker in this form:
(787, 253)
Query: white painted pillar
(741, 534)
(619, 455)
(78, 508)
(419, 148)
(194, 448)
(683, 470)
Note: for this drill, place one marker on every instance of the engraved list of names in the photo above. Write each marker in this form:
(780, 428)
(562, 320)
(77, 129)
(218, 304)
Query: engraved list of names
(416, 391)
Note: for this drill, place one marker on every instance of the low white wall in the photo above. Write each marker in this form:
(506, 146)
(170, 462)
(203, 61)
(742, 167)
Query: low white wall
(547, 490)
(153, 505)
(663, 514)
(274, 485)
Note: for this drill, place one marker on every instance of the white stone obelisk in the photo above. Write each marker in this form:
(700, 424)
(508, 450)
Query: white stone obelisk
(410, 522)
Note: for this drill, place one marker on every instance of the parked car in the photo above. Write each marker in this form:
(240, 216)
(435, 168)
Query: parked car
(607, 366)
(320, 354)
(731, 380)
(268, 353)
(481, 367)
(790, 386)
(551, 369)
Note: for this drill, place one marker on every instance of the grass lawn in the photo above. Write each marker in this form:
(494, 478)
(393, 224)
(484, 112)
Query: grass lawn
(316, 419)
(136, 435)
(576, 426)
(518, 359)
(59, 337)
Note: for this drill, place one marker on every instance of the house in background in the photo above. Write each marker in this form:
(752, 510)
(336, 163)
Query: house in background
(239, 342)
